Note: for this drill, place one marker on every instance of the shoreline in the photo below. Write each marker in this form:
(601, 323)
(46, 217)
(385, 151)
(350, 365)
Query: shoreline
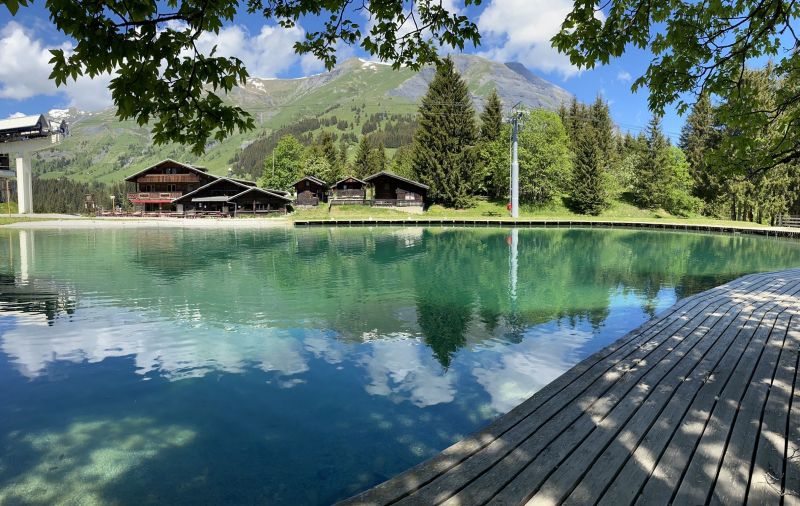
(74, 222)
(114, 223)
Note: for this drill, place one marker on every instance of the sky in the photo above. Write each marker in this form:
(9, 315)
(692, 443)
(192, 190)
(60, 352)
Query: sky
(511, 30)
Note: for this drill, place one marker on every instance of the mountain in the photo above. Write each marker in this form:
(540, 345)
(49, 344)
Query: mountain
(355, 98)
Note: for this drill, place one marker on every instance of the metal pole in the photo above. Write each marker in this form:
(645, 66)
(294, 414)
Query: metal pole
(514, 169)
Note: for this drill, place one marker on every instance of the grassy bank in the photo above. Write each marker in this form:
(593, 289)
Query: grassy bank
(487, 210)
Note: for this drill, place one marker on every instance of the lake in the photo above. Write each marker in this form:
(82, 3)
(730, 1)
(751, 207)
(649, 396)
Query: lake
(301, 366)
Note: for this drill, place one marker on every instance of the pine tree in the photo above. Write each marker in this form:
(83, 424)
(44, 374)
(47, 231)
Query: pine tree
(444, 143)
(652, 178)
(377, 159)
(588, 186)
(328, 149)
(362, 166)
(603, 131)
(492, 117)
(698, 138)
(343, 164)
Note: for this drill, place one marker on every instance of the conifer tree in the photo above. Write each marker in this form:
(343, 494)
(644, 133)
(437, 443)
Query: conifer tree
(444, 143)
(377, 159)
(328, 149)
(698, 138)
(362, 166)
(588, 186)
(652, 178)
(603, 134)
(492, 117)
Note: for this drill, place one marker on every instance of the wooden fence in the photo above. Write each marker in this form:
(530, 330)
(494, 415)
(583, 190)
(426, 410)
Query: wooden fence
(786, 220)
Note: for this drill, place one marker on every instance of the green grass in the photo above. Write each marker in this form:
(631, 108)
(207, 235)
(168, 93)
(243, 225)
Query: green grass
(492, 210)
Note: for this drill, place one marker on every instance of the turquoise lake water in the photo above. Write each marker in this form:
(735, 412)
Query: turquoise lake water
(301, 366)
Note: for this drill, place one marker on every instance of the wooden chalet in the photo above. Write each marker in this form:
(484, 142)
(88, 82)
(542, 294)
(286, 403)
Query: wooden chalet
(310, 191)
(391, 190)
(349, 190)
(226, 196)
(158, 186)
(260, 201)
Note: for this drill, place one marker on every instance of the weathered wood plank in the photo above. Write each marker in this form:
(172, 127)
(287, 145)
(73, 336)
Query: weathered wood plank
(722, 439)
(669, 408)
(767, 476)
(791, 481)
(672, 438)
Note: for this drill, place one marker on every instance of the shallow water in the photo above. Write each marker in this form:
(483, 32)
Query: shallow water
(302, 366)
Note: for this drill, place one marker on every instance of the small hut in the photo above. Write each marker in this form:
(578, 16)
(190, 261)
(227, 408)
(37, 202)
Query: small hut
(310, 191)
(391, 190)
(349, 190)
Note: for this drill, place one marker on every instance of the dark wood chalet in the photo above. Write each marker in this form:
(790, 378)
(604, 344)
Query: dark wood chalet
(349, 190)
(310, 191)
(392, 190)
(231, 196)
(260, 201)
(158, 186)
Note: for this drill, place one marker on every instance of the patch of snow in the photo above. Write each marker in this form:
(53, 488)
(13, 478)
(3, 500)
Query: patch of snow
(58, 114)
(16, 115)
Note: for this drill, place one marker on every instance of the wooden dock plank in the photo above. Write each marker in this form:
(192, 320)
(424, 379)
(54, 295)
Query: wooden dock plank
(673, 436)
(722, 447)
(666, 405)
(621, 425)
(791, 481)
(767, 475)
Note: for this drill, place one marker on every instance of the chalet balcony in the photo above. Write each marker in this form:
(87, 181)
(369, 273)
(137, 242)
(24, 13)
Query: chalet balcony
(349, 194)
(168, 178)
(397, 203)
(145, 197)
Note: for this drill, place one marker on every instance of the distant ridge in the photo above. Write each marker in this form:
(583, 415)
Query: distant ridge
(102, 148)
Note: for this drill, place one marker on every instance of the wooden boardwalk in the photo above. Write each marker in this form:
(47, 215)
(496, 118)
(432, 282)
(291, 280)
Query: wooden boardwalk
(701, 405)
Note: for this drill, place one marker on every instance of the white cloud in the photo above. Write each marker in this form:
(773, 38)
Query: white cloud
(25, 71)
(521, 30)
(624, 76)
(266, 54)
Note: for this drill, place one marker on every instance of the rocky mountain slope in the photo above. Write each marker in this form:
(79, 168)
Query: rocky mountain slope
(102, 148)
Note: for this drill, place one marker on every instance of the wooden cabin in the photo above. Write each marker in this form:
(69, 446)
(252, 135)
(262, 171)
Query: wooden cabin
(259, 201)
(226, 196)
(391, 190)
(349, 190)
(159, 185)
(310, 191)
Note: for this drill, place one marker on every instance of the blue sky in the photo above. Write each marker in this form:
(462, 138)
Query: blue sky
(512, 30)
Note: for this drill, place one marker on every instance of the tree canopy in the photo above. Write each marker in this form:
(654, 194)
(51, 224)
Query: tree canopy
(162, 79)
(701, 48)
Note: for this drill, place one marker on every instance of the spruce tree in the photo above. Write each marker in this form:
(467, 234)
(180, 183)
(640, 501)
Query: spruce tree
(362, 166)
(377, 159)
(698, 138)
(444, 143)
(328, 149)
(588, 192)
(603, 131)
(492, 117)
(652, 178)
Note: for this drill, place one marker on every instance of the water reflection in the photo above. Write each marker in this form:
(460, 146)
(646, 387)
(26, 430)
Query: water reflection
(371, 349)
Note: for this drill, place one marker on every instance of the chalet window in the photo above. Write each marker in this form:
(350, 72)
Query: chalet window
(172, 188)
(386, 186)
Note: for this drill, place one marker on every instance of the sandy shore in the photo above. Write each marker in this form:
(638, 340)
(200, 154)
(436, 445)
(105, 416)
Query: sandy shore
(204, 223)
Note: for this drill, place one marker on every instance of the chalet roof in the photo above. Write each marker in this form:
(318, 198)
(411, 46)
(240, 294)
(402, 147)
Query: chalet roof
(199, 170)
(312, 179)
(260, 190)
(276, 192)
(24, 123)
(347, 179)
(395, 176)
(212, 183)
